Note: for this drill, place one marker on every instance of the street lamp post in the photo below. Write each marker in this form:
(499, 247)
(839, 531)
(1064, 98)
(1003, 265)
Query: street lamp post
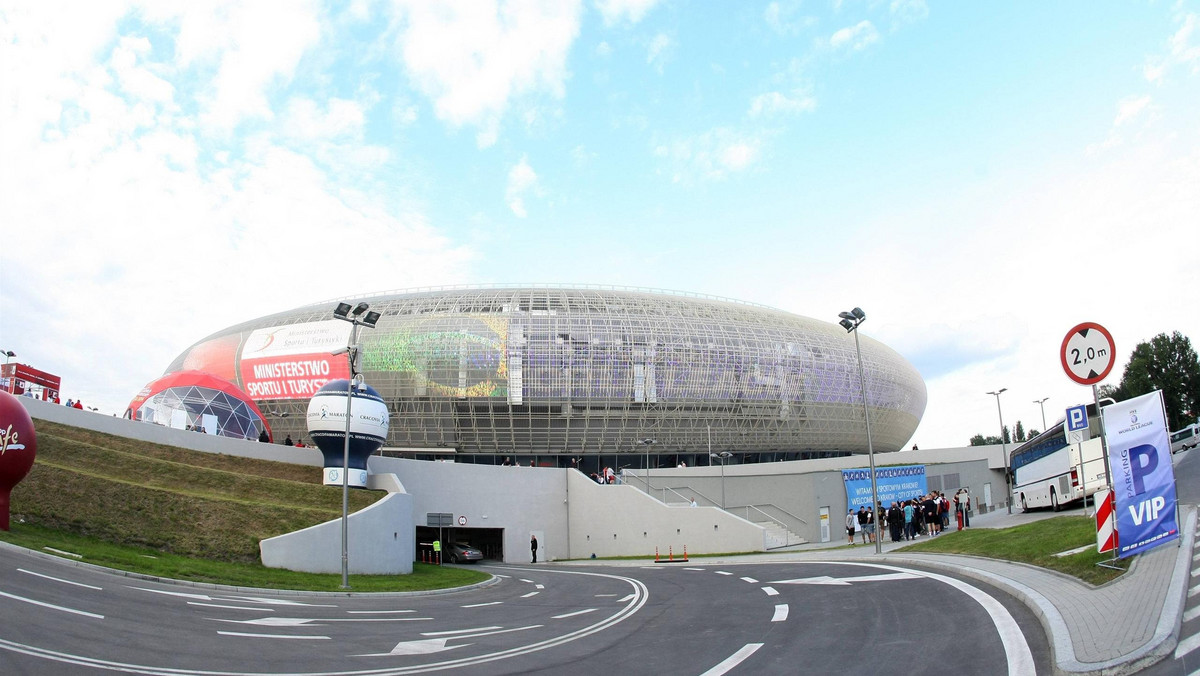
(850, 321)
(1042, 403)
(722, 456)
(8, 354)
(1004, 450)
(356, 318)
(647, 443)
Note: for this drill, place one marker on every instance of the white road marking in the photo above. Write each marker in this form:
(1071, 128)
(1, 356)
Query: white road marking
(750, 580)
(524, 596)
(51, 606)
(315, 621)
(825, 579)
(497, 574)
(1187, 645)
(627, 598)
(456, 631)
(243, 599)
(218, 605)
(524, 580)
(539, 586)
(64, 553)
(577, 612)
(478, 605)
(377, 612)
(693, 569)
(723, 572)
(1196, 557)
(285, 636)
(781, 612)
(1016, 649)
(604, 596)
(1191, 614)
(436, 645)
(59, 579)
(770, 591)
(733, 660)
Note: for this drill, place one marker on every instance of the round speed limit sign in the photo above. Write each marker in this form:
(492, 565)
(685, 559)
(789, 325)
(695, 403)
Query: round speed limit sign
(1087, 353)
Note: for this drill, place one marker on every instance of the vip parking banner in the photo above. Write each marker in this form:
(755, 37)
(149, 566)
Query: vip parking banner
(1139, 452)
(894, 484)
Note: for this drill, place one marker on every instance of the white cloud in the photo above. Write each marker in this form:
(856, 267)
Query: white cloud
(784, 18)
(1182, 50)
(1130, 108)
(856, 37)
(472, 60)
(603, 49)
(521, 179)
(907, 11)
(659, 50)
(713, 155)
(615, 11)
(772, 103)
(152, 231)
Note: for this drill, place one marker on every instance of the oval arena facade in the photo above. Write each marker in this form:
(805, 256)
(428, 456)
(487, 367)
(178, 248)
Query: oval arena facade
(488, 372)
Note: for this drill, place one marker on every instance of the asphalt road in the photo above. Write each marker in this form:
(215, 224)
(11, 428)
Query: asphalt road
(810, 617)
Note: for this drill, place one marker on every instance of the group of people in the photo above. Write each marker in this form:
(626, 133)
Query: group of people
(927, 515)
(606, 476)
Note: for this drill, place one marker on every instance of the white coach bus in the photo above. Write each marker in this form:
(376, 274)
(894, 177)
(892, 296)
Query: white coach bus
(1049, 472)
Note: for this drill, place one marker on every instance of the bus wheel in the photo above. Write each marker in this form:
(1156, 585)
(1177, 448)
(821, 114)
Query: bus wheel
(1024, 507)
(1054, 501)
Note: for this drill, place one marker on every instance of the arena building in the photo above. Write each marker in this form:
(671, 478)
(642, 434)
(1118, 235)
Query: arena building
(551, 374)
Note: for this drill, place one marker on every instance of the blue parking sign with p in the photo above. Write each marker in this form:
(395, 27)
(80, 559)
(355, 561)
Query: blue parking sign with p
(1077, 418)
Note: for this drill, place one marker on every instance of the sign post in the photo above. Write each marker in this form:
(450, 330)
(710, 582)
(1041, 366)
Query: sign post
(1087, 355)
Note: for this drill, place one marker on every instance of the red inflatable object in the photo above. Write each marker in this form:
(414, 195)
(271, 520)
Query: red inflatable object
(18, 447)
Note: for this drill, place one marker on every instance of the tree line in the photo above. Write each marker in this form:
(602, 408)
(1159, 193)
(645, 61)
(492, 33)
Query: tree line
(1166, 363)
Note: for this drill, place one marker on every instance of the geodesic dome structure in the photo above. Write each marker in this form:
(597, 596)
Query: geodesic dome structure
(192, 399)
(565, 370)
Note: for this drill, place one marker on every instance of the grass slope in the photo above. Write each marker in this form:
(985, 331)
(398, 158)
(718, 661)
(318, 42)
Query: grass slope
(169, 499)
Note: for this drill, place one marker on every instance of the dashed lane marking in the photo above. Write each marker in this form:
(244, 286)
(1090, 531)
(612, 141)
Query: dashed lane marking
(770, 591)
(733, 660)
(781, 612)
(225, 607)
(627, 598)
(750, 580)
(377, 612)
(480, 605)
(51, 606)
(1187, 645)
(59, 579)
(693, 569)
(539, 586)
(577, 612)
(452, 632)
(1193, 591)
(724, 572)
(287, 636)
(532, 593)
(524, 580)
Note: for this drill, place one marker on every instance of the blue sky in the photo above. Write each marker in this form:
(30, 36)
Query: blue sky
(978, 177)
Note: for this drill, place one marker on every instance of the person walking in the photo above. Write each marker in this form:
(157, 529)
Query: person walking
(909, 526)
(862, 522)
(533, 545)
(895, 520)
(965, 498)
(851, 522)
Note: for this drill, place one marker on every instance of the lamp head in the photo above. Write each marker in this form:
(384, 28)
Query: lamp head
(846, 315)
(370, 319)
(341, 310)
(847, 324)
(360, 308)
(858, 314)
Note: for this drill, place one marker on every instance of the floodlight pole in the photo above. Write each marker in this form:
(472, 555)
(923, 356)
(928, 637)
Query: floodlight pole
(1004, 450)
(344, 313)
(850, 321)
(1042, 403)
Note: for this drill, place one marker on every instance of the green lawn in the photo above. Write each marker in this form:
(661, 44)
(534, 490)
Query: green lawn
(166, 565)
(1034, 543)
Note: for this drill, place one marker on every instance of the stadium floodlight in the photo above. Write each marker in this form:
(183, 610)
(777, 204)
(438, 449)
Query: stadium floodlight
(344, 313)
(8, 354)
(1004, 450)
(850, 322)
